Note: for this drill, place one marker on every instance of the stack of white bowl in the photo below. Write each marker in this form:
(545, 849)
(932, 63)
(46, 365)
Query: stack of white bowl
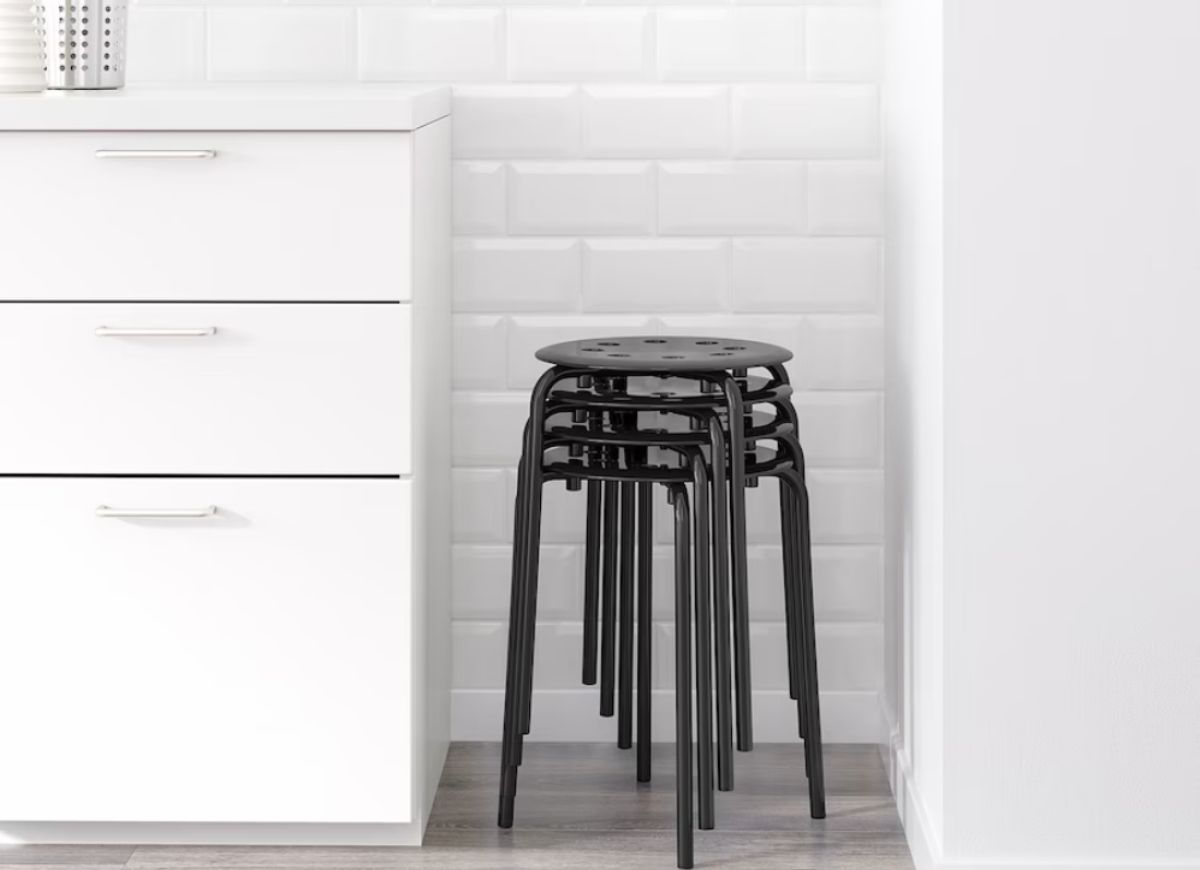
(22, 66)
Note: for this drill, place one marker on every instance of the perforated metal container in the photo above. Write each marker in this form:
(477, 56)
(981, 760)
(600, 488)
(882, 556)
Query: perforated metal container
(84, 41)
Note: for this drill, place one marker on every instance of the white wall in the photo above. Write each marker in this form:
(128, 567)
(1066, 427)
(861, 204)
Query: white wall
(1071, 487)
(709, 168)
(914, 682)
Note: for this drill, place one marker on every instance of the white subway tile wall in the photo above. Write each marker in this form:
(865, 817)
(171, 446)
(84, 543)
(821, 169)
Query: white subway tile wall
(627, 167)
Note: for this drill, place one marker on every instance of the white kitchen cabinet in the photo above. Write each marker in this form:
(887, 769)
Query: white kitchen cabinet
(206, 215)
(202, 388)
(224, 468)
(238, 666)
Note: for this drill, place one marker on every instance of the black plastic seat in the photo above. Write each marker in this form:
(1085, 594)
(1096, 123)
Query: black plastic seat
(664, 354)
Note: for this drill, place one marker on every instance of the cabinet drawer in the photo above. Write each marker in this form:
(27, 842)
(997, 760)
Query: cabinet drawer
(194, 388)
(248, 666)
(154, 216)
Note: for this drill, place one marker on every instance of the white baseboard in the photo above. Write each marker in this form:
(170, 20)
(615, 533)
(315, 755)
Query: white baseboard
(922, 840)
(210, 834)
(574, 715)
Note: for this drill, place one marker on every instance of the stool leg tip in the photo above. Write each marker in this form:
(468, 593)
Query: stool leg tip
(507, 806)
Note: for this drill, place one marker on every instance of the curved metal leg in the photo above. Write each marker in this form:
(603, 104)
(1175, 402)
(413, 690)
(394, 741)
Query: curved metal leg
(787, 536)
(591, 583)
(804, 600)
(685, 850)
(625, 620)
(797, 629)
(608, 596)
(721, 615)
(704, 657)
(645, 626)
(512, 695)
(741, 593)
(526, 541)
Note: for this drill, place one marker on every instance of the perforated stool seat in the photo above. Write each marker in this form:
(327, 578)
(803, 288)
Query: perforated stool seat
(664, 354)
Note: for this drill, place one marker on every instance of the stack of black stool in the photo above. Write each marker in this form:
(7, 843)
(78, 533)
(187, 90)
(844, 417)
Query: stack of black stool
(706, 418)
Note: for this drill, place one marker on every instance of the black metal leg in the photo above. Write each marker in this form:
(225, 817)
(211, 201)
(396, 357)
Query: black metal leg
(683, 679)
(704, 696)
(645, 625)
(804, 599)
(790, 536)
(720, 558)
(591, 583)
(628, 551)
(512, 696)
(787, 529)
(741, 591)
(523, 603)
(531, 475)
(792, 541)
(532, 555)
(527, 482)
(608, 608)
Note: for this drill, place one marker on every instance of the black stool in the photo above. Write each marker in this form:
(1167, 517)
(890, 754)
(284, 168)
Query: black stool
(606, 449)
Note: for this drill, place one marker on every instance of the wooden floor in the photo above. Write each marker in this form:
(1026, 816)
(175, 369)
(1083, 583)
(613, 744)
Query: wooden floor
(579, 806)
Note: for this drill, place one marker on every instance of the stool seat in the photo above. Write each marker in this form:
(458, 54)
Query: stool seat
(666, 354)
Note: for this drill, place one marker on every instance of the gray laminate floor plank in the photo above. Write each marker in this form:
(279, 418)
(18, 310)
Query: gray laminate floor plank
(579, 807)
(75, 857)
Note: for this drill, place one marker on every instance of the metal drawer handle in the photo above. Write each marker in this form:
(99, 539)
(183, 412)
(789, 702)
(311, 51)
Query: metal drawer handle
(136, 332)
(167, 153)
(106, 512)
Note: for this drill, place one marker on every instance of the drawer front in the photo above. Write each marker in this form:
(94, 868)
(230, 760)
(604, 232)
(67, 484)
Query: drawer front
(246, 666)
(154, 216)
(193, 388)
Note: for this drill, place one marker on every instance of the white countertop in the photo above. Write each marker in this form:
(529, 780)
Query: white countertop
(229, 107)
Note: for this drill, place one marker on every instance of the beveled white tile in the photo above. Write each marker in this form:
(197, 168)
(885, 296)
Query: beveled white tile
(731, 198)
(529, 333)
(777, 329)
(838, 352)
(849, 657)
(573, 44)
(166, 44)
(655, 274)
(844, 44)
(806, 274)
(656, 121)
(480, 652)
(841, 430)
(581, 198)
(509, 121)
(406, 43)
(847, 583)
(480, 197)
(487, 427)
(480, 351)
(280, 44)
(731, 44)
(847, 506)
(845, 198)
(504, 274)
(481, 506)
(810, 120)
(482, 576)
